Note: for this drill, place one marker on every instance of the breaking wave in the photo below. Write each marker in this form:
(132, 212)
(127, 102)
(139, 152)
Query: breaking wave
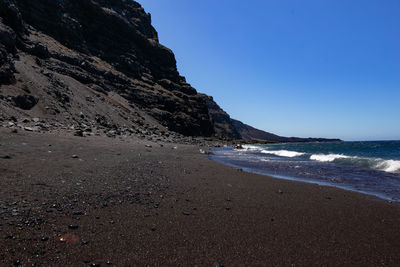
(327, 158)
(376, 163)
(392, 166)
(251, 147)
(283, 153)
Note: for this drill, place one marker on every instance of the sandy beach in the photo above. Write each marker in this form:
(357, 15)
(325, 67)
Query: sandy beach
(73, 201)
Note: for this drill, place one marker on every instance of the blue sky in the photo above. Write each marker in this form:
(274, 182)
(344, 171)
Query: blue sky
(320, 68)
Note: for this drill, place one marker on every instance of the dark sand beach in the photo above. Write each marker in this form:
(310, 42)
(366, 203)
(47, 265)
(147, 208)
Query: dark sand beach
(131, 202)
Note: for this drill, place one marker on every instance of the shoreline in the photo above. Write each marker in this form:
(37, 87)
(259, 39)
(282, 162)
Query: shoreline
(128, 201)
(309, 181)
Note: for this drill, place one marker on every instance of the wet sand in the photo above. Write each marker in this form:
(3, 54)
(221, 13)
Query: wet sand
(128, 204)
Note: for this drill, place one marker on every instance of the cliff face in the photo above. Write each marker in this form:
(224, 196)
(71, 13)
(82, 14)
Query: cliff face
(53, 51)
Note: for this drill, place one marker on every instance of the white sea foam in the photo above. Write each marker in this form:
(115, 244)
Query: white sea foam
(390, 165)
(327, 158)
(251, 147)
(283, 153)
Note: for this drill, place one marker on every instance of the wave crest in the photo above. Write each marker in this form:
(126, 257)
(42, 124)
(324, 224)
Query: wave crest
(390, 165)
(283, 153)
(251, 147)
(327, 158)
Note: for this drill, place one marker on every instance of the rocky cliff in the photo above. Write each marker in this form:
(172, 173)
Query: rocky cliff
(83, 61)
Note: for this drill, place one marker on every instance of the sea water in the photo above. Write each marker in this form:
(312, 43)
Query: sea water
(366, 167)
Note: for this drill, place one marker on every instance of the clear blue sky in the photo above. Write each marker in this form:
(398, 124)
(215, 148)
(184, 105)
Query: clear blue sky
(321, 68)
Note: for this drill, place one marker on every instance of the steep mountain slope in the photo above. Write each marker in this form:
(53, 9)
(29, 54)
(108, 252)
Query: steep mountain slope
(62, 58)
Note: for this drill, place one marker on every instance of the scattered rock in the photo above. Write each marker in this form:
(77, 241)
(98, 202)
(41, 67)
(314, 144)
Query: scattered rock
(25, 102)
(44, 238)
(69, 239)
(78, 212)
(73, 226)
(280, 191)
(86, 260)
(29, 129)
(6, 157)
(186, 213)
(74, 156)
(78, 133)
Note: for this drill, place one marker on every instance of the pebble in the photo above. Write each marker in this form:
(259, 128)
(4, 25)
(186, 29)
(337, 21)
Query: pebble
(69, 239)
(74, 156)
(153, 228)
(78, 212)
(227, 208)
(10, 236)
(44, 238)
(86, 260)
(73, 226)
(6, 157)
(109, 263)
(280, 191)
(186, 213)
(95, 264)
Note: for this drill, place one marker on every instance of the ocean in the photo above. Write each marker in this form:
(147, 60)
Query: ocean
(366, 167)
